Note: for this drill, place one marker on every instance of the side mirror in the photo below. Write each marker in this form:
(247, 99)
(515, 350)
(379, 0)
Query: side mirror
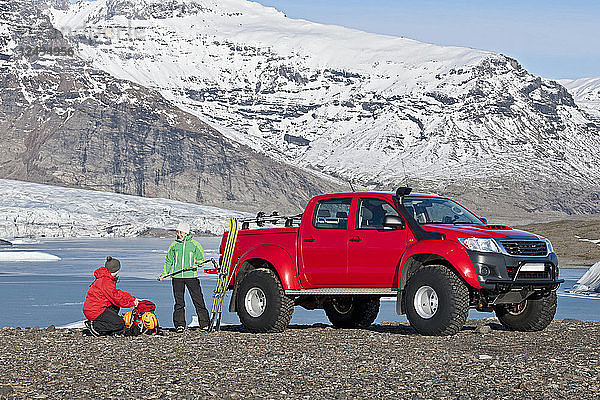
(484, 220)
(394, 222)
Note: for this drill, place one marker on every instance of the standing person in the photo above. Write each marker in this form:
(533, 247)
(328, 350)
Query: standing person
(185, 254)
(103, 300)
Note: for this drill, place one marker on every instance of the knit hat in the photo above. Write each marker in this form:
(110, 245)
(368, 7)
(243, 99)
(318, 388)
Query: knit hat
(183, 227)
(112, 264)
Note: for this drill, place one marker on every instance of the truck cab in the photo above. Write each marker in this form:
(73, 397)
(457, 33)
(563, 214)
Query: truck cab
(347, 250)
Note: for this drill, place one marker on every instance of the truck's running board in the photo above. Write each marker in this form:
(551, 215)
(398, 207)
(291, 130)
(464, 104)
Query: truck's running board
(343, 291)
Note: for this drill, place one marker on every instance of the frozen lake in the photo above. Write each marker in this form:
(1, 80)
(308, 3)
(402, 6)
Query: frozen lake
(41, 293)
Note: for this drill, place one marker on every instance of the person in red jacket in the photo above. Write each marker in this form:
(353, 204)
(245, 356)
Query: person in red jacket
(103, 300)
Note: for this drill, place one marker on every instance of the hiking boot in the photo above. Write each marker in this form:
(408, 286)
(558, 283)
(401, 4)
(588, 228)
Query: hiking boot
(203, 325)
(89, 324)
(180, 329)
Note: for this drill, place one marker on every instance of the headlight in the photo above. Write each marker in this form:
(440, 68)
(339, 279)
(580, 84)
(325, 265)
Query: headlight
(549, 245)
(480, 244)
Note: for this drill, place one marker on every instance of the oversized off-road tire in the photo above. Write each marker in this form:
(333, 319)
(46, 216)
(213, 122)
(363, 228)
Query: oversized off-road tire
(352, 311)
(436, 301)
(261, 303)
(528, 316)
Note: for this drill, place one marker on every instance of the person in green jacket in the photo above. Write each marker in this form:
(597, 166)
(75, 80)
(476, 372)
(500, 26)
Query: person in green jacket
(185, 253)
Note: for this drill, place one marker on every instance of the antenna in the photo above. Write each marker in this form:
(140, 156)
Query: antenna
(404, 172)
(351, 187)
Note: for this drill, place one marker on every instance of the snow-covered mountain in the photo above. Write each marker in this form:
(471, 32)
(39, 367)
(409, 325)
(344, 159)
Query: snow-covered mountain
(369, 108)
(586, 92)
(65, 122)
(34, 210)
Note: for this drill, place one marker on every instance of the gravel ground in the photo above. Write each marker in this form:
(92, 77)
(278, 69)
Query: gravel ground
(566, 238)
(483, 361)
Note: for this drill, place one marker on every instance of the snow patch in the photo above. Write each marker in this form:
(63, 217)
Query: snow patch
(195, 324)
(73, 325)
(588, 240)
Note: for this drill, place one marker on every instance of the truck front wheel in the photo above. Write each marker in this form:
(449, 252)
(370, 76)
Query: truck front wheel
(437, 301)
(352, 312)
(528, 316)
(261, 303)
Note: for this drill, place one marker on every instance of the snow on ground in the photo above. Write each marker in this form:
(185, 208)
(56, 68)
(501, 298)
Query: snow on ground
(27, 256)
(73, 325)
(588, 240)
(34, 210)
(589, 283)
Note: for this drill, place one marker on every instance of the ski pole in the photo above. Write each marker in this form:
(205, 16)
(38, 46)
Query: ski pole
(191, 268)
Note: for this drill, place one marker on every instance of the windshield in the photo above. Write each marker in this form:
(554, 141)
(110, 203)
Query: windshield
(433, 210)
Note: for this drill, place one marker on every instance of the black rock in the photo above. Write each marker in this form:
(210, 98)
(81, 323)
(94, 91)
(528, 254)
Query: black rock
(484, 329)
(6, 390)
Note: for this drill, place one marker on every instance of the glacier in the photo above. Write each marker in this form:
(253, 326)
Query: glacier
(29, 210)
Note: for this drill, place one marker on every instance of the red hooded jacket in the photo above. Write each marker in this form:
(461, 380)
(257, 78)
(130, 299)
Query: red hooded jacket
(102, 293)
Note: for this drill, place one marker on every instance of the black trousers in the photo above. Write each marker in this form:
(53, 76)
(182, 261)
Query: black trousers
(193, 285)
(109, 321)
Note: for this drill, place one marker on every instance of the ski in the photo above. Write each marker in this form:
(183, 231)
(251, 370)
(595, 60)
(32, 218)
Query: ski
(223, 280)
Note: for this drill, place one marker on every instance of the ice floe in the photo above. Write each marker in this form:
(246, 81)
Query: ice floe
(589, 283)
(27, 256)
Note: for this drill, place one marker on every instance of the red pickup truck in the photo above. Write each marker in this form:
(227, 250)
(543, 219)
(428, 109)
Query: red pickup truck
(435, 256)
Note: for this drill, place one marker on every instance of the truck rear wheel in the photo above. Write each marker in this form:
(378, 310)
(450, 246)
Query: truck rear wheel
(352, 312)
(261, 303)
(528, 316)
(437, 301)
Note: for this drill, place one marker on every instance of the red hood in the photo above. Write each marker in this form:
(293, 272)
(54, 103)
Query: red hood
(102, 272)
(484, 231)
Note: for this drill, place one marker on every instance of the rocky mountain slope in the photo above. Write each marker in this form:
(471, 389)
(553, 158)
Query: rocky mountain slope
(65, 122)
(373, 109)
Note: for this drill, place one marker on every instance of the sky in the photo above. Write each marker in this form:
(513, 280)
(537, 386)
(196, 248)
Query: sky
(553, 39)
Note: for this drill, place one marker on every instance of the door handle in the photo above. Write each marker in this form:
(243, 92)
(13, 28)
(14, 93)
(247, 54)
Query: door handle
(310, 240)
(356, 239)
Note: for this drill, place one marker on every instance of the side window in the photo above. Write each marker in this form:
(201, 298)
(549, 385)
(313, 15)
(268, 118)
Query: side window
(440, 212)
(332, 214)
(371, 213)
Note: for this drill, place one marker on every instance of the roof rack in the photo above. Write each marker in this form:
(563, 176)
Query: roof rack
(274, 218)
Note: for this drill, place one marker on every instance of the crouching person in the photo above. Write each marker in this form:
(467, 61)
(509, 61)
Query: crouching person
(103, 300)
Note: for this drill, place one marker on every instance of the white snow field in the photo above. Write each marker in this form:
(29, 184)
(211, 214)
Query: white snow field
(27, 256)
(586, 92)
(34, 210)
(589, 284)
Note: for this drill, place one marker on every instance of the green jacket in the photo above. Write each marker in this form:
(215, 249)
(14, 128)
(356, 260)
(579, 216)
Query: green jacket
(183, 254)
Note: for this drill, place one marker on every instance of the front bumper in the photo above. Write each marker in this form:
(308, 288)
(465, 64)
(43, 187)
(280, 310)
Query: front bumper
(501, 273)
